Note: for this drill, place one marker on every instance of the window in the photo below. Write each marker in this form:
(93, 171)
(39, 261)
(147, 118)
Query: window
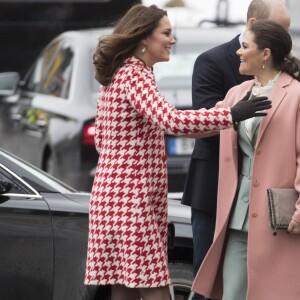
(52, 72)
(16, 186)
(174, 78)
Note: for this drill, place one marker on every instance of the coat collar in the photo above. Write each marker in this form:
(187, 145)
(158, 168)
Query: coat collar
(278, 94)
(132, 60)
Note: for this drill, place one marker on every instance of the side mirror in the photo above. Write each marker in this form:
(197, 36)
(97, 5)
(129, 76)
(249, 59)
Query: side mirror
(5, 187)
(9, 82)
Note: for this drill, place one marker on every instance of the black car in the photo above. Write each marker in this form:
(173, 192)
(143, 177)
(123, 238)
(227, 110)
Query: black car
(48, 117)
(43, 238)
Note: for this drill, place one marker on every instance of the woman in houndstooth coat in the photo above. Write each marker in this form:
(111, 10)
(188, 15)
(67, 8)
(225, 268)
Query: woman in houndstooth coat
(127, 246)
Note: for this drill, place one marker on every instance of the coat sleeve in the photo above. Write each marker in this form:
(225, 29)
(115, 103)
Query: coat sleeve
(144, 96)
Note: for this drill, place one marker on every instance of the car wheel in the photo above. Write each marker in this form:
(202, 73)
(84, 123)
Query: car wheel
(182, 278)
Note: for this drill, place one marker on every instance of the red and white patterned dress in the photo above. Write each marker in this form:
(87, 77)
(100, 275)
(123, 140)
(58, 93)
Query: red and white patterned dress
(128, 209)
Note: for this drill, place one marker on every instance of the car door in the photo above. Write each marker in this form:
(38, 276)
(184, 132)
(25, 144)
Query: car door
(51, 76)
(26, 242)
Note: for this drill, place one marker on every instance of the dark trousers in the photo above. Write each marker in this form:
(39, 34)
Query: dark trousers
(203, 226)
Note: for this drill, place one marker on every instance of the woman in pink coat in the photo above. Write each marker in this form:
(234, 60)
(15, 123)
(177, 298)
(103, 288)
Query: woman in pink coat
(246, 261)
(127, 245)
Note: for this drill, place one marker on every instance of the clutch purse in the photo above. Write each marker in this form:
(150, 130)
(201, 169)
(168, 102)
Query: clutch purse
(281, 204)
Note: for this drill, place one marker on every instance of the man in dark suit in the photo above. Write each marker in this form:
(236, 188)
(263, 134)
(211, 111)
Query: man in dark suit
(215, 72)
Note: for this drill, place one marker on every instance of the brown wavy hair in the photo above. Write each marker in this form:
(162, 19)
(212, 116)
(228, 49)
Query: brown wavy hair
(137, 24)
(268, 34)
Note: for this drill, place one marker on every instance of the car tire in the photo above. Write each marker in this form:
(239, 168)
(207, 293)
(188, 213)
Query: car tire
(182, 278)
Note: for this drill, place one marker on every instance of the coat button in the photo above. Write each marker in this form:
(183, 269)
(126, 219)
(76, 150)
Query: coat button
(164, 157)
(245, 199)
(254, 215)
(258, 151)
(256, 183)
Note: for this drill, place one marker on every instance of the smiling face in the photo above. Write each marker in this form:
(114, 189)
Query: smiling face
(158, 44)
(251, 57)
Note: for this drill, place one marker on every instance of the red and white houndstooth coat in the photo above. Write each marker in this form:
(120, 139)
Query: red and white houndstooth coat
(128, 209)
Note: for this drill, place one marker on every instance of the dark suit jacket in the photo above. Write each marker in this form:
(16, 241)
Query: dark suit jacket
(215, 72)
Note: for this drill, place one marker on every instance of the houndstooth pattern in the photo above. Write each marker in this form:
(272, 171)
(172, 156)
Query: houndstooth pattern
(128, 208)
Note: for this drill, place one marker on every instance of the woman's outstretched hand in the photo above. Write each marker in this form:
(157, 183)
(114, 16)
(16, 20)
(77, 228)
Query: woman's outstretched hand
(247, 108)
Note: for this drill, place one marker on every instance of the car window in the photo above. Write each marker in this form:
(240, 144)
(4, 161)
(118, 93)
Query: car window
(174, 78)
(179, 66)
(52, 72)
(17, 187)
(32, 176)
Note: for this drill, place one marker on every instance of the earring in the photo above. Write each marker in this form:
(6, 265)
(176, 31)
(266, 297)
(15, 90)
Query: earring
(263, 66)
(143, 50)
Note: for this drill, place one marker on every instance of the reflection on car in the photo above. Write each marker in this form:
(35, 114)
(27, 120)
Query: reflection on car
(43, 238)
(47, 118)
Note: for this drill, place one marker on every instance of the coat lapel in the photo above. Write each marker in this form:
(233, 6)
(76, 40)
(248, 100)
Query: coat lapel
(276, 97)
(255, 126)
(234, 142)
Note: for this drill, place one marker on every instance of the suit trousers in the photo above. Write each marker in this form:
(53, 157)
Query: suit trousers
(235, 266)
(203, 227)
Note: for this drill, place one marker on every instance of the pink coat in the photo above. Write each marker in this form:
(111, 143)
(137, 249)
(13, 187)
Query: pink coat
(273, 261)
